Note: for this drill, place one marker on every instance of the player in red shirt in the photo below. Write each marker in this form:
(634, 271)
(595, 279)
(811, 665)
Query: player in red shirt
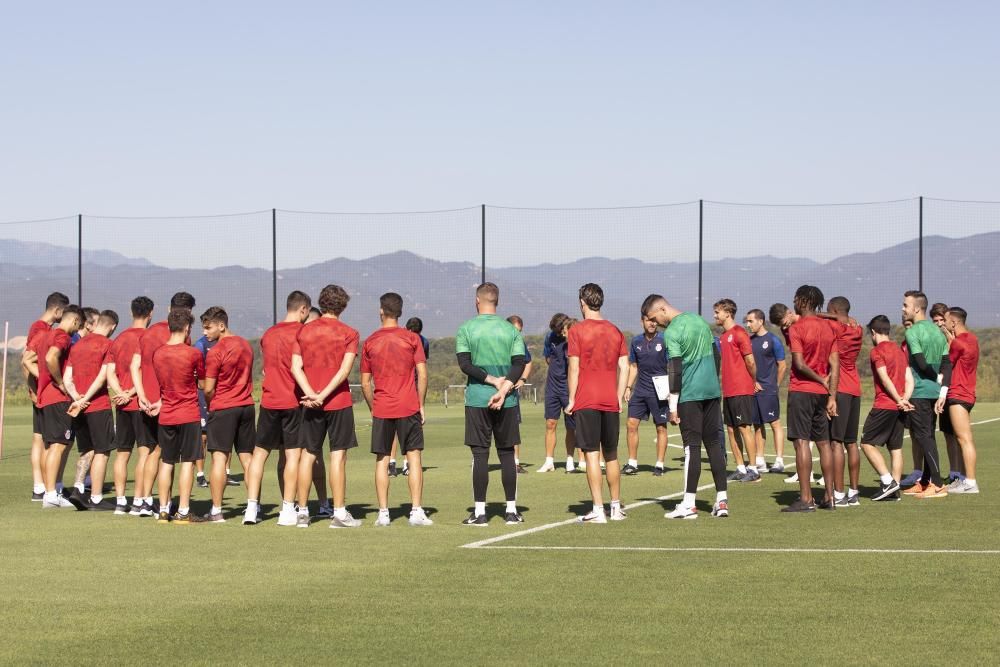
(54, 305)
(148, 391)
(54, 401)
(322, 357)
(739, 384)
(844, 427)
(126, 402)
(811, 396)
(597, 378)
(86, 376)
(390, 357)
(885, 423)
(938, 315)
(956, 408)
(280, 413)
(179, 371)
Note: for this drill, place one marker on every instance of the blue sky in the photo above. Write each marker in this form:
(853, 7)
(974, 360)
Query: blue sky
(197, 108)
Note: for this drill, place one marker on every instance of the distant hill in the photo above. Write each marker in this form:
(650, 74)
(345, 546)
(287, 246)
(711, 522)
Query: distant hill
(32, 253)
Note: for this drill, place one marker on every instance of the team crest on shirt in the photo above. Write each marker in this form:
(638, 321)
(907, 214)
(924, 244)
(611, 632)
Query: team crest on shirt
(730, 339)
(69, 434)
(765, 345)
(659, 347)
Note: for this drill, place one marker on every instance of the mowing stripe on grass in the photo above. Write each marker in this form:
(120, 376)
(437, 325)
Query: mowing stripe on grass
(766, 550)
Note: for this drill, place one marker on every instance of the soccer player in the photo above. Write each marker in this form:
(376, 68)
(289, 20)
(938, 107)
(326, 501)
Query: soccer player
(739, 384)
(490, 352)
(128, 415)
(519, 325)
(54, 401)
(956, 410)
(598, 373)
(556, 392)
(769, 355)
(86, 454)
(390, 357)
(927, 348)
(812, 396)
(280, 412)
(179, 370)
(203, 345)
(416, 325)
(231, 419)
(885, 423)
(844, 427)
(55, 303)
(86, 377)
(647, 358)
(695, 395)
(322, 357)
(938, 314)
(148, 391)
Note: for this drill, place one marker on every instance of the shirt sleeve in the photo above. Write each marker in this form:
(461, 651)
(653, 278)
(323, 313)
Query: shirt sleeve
(779, 348)
(199, 368)
(527, 355)
(794, 340)
(671, 337)
(624, 349)
(913, 342)
(419, 356)
(547, 346)
(572, 344)
(631, 354)
(366, 363)
(352, 342)
(743, 343)
(462, 340)
(517, 348)
(212, 363)
(877, 359)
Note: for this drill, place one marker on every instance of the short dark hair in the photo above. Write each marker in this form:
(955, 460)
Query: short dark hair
(90, 314)
(648, 303)
(333, 299)
(415, 324)
(315, 311)
(809, 296)
(182, 300)
(56, 300)
(777, 313)
(592, 295)
(391, 304)
(489, 293)
(756, 312)
(73, 309)
(142, 306)
(917, 296)
(839, 305)
(516, 321)
(958, 313)
(109, 317)
(216, 314)
(727, 305)
(938, 310)
(178, 319)
(557, 323)
(296, 300)
(880, 324)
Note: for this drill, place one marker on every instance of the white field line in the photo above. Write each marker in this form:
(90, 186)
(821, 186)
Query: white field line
(487, 543)
(792, 550)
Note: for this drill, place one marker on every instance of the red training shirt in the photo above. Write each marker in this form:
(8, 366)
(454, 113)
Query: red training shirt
(599, 345)
(736, 379)
(37, 328)
(280, 391)
(178, 369)
(153, 339)
(123, 348)
(86, 358)
(849, 348)
(230, 362)
(48, 393)
(391, 355)
(323, 344)
(889, 356)
(813, 339)
(964, 355)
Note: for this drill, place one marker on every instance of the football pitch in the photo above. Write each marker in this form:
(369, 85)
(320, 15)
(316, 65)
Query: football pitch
(884, 583)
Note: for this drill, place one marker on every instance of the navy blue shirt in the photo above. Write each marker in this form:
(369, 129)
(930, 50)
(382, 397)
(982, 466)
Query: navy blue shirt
(554, 351)
(767, 352)
(203, 345)
(427, 346)
(650, 356)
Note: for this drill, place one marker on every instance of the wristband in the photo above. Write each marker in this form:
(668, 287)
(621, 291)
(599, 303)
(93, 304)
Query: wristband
(944, 393)
(672, 401)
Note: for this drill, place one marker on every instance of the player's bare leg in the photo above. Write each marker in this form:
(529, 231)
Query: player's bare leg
(661, 442)
(37, 459)
(217, 477)
(831, 459)
(961, 423)
(416, 478)
(804, 468)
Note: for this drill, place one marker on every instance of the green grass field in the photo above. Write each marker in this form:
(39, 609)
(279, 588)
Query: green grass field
(98, 588)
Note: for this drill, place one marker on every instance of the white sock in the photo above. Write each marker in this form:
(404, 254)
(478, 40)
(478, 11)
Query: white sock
(688, 500)
(121, 500)
(96, 499)
(79, 487)
(416, 509)
(569, 462)
(392, 462)
(517, 461)
(634, 463)
(741, 468)
(838, 495)
(754, 468)
(549, 461)
(287, 506)
(201, 474)
(183, 511)
(383, 510)
(852, 492)
(216, 509)
(340, 512)
(659, 464)
(512, 507)
(720, 496)
(304, 511)
(885, 479)
(148, 500)
(971, 481)
(51, 496)
(38, 488)
(252, 505)
(227, 472)
(480, 509)
(779, 459)
(136, 501)
(598, 509)
(616, 504)
(761, 462)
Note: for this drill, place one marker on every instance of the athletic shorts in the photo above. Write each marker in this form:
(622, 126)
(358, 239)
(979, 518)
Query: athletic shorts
(318, 425)
(232, 428)
(518, 408)
(766, 408)
(701, 423)
(147, 430)
(483, 426)
(944, 422)
(57, 426)
(844, 427)
(807, 417)
(37, 424)
(126, 427)
(738, 410)
(884, 428)
(409, 430)
(180, 443)
(597, 430)
(641, 407)
(95, 432)
(923, 419)
(554, 404)
(279, 429)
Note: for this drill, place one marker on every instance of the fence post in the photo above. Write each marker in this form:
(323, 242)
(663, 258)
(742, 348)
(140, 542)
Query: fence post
(79, 259)
(920, 248)
(483, 239)
(274, 263)
(701, 244)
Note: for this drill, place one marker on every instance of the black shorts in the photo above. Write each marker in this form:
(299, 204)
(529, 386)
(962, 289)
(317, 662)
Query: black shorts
(126, 425)
(884, 428)
(807, 417)
(844, 427)
(232, 427)
(180, 443)
(701, 423)
(642, 407)
(597, 430)
(409, 430)
(483, 425)
(57, 426)
(147, 430)
(37, 424)
(739, 410)
(767, 408)
(944, 423)
(554, 405)
(317, 425)
(95, 432)
(279, 429)
(923, 419)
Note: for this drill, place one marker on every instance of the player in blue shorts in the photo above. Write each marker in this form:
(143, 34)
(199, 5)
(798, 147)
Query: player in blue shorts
(203, 345)
(519, 325)
(647, 358)
(557, 392)
(769, 353)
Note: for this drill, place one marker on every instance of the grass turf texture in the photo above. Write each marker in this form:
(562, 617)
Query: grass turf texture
(91, 587)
